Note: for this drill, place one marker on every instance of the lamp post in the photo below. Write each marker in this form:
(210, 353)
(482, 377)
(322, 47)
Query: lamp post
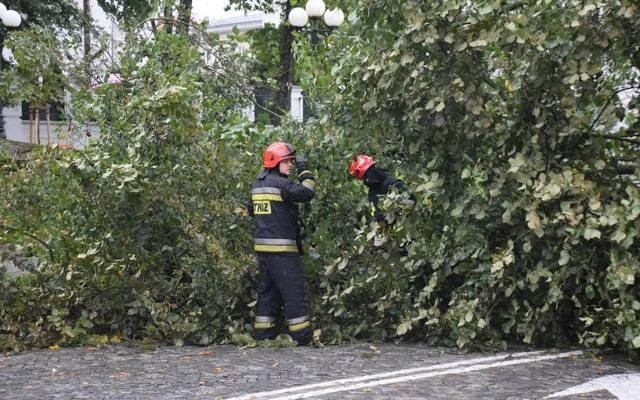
(10, 19)
(314, 10)
(298, 18)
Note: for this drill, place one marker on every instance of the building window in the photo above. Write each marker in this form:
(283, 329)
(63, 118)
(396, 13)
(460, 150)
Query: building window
(56, 110)
(265, 106)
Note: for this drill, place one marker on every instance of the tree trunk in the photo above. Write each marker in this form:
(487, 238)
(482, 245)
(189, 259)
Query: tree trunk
(31, 133)
(48, 113)
(37, 127)
(168, 20)
(184, 16)
(285, 80)
(34, 123)
(86, 11)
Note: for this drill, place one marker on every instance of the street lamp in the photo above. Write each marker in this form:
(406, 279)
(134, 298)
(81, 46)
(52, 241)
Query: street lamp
(298, 18)
(10, 19)
(314, 10)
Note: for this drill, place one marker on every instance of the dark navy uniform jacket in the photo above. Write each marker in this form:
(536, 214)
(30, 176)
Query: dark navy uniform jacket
(379, 183)
(274, 206)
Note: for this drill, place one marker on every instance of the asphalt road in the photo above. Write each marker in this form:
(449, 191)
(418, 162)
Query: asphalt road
(358, 371)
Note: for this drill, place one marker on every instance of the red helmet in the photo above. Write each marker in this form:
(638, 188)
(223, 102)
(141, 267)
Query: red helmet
(360, 165)
(277, 152)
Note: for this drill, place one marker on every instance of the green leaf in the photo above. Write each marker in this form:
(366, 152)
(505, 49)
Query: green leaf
(516, 163)
(370, 104)
(403, 328)
(591, 233)
(564, 258)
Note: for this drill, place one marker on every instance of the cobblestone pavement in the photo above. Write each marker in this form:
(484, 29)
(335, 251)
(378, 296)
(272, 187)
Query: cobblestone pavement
(225, 372)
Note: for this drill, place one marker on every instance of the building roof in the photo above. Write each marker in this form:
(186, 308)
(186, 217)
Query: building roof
(244, 23)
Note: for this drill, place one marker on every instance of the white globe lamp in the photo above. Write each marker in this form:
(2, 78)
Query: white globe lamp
(315, 8)
(334, 18)
(10, 18)
(7, 55)
(298, 17)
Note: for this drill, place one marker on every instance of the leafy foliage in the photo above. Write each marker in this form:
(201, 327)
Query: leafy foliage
(515, 124)
(142, 234)
(262, 5)
(509, 123)
(37, 75)
(55, 14)
(128, 11)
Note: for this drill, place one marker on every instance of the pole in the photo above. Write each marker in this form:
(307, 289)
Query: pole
(285, 79)
(13, 20)
(86, 11)
(3, 134)
(314, 33)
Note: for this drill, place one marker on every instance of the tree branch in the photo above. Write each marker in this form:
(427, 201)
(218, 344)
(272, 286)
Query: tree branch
(41, 242)
(620, 138)
(595, 121)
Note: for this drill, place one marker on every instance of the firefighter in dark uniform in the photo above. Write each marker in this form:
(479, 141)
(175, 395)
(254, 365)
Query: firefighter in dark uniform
(377, 180)
(274, 207)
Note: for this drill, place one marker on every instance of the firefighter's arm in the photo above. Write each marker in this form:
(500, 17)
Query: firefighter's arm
(250, 208)
(392, 181)
(304, 190)
(299, 192)
(399, 185)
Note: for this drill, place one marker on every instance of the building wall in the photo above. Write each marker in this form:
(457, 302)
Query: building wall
(60, 132)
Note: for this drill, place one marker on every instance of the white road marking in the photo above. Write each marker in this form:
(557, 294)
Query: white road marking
(426, 375)
(407, 375)
(623, 386)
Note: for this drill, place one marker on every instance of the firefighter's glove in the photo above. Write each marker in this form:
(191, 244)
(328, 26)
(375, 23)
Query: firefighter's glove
(302, 165)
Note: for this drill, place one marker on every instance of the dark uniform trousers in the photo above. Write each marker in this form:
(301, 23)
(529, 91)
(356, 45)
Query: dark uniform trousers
(282, 285)
(274, 206)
